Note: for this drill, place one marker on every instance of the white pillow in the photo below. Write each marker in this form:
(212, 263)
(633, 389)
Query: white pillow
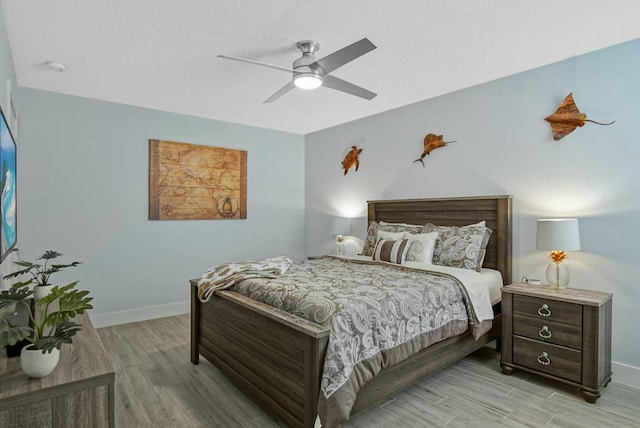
(421, 247)
(382, 234)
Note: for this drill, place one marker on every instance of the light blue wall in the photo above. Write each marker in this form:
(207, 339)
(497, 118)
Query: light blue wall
(83, 190)
(505, 147)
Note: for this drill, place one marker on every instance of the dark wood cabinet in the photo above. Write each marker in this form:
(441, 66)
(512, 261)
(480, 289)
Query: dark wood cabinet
(563, 334)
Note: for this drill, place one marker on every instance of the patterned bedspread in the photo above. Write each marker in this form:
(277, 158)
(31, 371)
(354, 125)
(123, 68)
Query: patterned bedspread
(368, 306)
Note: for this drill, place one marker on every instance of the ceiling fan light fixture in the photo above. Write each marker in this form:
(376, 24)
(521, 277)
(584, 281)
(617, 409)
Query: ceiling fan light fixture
(307, 80)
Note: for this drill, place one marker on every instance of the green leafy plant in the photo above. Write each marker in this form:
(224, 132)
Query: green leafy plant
(51, 316)
(40, 273)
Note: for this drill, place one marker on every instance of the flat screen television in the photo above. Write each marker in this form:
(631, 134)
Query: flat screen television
(8, 166)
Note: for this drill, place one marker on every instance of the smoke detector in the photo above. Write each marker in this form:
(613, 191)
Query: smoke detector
(55, 66)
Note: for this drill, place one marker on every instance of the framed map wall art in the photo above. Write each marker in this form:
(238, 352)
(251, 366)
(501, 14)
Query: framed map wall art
(8, 229)
(193, 182)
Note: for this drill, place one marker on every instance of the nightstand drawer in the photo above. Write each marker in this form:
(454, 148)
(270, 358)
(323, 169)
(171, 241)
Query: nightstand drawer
(548, 331)
(547, 358)
(547, 309)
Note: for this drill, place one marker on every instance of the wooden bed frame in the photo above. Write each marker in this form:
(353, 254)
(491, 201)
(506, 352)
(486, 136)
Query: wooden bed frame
(276, 358)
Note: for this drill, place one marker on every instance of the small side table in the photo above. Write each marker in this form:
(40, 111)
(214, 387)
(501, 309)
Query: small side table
(561, 334)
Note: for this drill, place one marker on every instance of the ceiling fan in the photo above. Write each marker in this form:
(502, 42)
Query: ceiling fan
(310, 73)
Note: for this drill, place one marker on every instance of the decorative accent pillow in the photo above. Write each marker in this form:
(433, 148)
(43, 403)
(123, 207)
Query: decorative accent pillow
(461, 247)
(421, 247)
(370, 240)
(372, 233)
(388, 250)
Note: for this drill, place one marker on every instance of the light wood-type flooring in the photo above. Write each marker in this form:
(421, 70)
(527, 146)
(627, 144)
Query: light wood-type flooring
(157, 386)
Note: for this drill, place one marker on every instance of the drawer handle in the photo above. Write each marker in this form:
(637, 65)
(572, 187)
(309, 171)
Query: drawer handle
(544, 359)
(544, 332)
(544, 310)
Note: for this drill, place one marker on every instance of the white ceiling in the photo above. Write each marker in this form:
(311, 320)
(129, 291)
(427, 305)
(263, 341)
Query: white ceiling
(162, 54)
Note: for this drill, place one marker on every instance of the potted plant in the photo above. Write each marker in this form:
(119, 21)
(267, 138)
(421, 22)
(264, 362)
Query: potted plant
(40, 273)
(50, 317)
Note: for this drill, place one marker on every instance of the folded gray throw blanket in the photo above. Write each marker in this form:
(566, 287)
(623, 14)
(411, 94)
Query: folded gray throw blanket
(225, 275)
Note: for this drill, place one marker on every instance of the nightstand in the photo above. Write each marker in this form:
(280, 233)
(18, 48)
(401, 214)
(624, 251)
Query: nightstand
(561, 334)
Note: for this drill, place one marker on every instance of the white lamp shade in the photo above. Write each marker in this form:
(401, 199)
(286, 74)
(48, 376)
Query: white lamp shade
(560, 234)
(359, 227)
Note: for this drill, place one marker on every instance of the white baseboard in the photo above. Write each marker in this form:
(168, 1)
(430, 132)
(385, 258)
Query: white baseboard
(625, 374)
(139, 314)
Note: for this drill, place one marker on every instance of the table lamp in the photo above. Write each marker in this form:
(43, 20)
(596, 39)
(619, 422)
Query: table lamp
(558, 235)
(340, 228)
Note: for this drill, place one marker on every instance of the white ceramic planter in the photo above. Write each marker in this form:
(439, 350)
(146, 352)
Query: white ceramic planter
(35, 364)
(41, 291)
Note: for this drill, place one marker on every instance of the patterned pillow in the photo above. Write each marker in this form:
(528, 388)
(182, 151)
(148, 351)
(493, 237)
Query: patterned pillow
(428, 228)
(388, 250)
(421, 247)
(372, 233)
(461, 247)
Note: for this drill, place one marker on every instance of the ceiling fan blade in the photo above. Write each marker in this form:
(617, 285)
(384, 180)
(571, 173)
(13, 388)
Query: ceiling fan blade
(250, 61)
(344, 55)
(344, 86)
(286, 88)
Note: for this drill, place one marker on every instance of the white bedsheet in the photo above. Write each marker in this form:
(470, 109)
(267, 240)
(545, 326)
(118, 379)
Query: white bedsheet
(493, 279)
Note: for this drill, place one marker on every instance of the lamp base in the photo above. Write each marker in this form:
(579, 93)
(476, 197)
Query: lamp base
(340, 243)
(558, 275)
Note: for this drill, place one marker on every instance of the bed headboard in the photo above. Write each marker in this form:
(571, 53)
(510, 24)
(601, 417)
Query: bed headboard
(495, 210)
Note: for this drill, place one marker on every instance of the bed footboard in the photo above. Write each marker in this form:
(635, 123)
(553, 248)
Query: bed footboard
(272, 356)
